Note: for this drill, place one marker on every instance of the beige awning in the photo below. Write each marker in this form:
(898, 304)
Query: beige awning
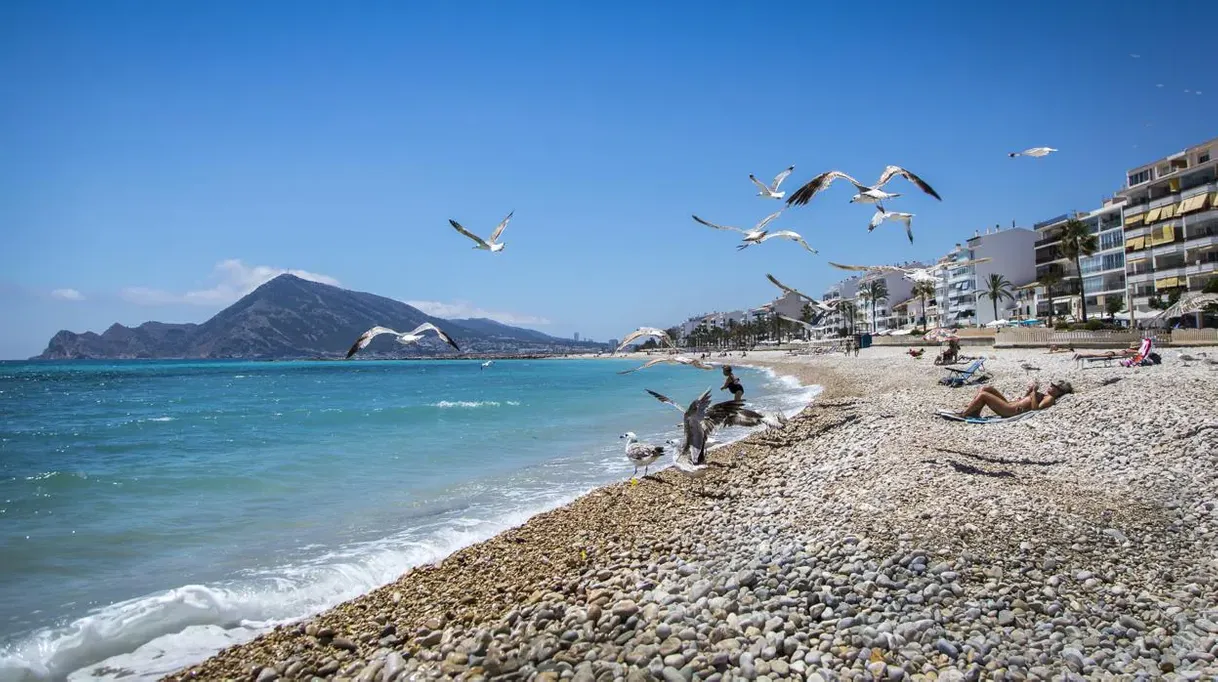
(1195, 203)
(1136, 243)
(1153, 215)
(1135, 219)
(1167, 283)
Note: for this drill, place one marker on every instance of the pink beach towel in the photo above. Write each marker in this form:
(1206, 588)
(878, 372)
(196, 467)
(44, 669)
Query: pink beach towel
(1143, 351)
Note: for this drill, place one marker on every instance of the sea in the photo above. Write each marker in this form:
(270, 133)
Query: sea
(155, 512)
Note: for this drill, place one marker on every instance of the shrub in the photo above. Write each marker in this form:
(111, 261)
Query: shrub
(1095, 325)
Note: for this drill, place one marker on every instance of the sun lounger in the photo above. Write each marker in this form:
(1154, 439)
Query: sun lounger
(969, 375)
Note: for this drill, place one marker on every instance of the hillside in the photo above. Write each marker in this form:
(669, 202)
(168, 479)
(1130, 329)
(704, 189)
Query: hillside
(289, 317)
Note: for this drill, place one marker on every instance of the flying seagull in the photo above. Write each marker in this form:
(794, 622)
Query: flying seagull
(640, 454)
(701, 417)
(912, 274)
(642, 332)
(675, 359)
(687, 468)
(1034, 151)
(819, 305)
(750, 236)
(882, 215)
(492, 244)
(486, 364)
(805, 325)
(781, 234)
(771, 191)
(408, 337)
(866, 194)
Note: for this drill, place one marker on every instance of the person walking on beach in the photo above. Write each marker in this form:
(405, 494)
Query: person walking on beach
(731, 383)
(1033, 399)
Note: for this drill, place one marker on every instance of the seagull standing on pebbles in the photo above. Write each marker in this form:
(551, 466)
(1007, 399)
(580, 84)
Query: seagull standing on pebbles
(492, 244)
(882, 215)
(407, 337)
(701, 418)
(640, 454)
(1034, 151)
(646, 331)
(771, 191)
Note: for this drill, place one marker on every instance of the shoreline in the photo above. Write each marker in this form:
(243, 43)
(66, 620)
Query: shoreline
(865, 511)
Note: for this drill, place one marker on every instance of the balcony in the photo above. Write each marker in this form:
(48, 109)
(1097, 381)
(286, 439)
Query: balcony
(1051, 239)
(1202, 268)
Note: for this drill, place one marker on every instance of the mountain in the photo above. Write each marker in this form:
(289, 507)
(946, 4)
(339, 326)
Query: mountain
(289, 317)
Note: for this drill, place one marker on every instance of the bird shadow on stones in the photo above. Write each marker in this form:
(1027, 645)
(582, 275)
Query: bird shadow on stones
(971, 470)
(993, 459)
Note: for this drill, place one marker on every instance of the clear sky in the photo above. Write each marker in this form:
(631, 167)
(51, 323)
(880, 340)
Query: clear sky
(160, 159)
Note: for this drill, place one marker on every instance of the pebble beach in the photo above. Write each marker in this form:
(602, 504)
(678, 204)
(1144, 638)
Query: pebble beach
(868, 539)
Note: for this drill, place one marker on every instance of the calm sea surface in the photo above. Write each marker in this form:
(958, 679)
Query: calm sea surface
(153, 512)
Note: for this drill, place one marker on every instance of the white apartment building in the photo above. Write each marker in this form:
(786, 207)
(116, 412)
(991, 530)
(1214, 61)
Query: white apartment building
(833, 322)
(960, 291)
(885, 315)
(1171, 224)
(1103, 272)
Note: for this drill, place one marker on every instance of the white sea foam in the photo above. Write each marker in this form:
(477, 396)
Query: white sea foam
(153, 635)
(470, 404)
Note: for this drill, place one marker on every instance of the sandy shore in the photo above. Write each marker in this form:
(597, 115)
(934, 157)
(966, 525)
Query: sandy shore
(868, 539)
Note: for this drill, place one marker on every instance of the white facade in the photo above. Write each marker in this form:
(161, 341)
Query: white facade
(833, 322)
(885, 317)
(960, 290)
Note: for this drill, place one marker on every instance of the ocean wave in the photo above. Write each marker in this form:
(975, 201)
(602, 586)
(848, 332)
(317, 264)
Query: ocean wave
(157, 634)
(470, 404)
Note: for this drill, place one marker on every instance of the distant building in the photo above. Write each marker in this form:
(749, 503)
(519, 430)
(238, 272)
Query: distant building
(1171, 224)
(576, 336)
(960, 293)
(612, 343)
(1103, 272)
(833, 322)
(884, 316)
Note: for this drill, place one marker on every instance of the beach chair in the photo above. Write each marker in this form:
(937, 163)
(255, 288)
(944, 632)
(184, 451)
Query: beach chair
(1143, 351)
(969, 375)
(1126, 360)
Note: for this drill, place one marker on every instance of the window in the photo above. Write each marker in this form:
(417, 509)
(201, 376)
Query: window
(1111, 240)
(1113, 261)
(1205, 156)
(1090, 264)
(1139, 178)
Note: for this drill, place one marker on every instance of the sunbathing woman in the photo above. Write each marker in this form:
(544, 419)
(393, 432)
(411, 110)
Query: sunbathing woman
(1033, 399)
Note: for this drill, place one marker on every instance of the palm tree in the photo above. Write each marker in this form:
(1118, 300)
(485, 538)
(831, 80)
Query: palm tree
(922, 290)
(996, 289)
(874, 291)
(1077, 241)
(1049, 280)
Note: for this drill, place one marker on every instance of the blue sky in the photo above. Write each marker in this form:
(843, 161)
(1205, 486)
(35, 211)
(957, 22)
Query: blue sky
(161, 158)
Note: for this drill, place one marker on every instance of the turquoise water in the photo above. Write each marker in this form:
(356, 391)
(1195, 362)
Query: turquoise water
(153, 512)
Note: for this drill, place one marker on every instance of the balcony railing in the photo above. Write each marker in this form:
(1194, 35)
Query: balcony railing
(1202, 268)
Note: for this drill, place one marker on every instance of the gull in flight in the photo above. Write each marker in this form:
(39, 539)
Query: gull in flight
(1034, 151)
(493, 245)
(701, 418)
(646, 331)
(640, 454)
(881, 215)
(407, 337)
(819, 305)
(486, 364)
(674, 359)
(771, 191)
(912, 274)
(752, 235)
(805, 325)
(781, 234)
(866, 194)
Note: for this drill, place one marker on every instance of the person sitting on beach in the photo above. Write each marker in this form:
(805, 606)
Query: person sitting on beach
(731, 383)
(951, 355)
(1108, 354)
(1054, 348)
(1033, 399)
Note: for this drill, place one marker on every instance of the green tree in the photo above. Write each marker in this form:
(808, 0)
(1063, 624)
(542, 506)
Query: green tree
(1112, 306)
(1077, 242)
(997, 288)
(1050, 280)
(874, 291)
(922, 290)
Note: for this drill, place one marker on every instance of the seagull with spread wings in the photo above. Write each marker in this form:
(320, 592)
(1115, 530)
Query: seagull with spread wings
(930, 274)
(866, 194)
(671, 359)
(661, 335)
(881, 215)
(771, 191)
(701, 418)
(1034, 152)
(403, 337)
(818, 305)
(493, 244)
(781, 234)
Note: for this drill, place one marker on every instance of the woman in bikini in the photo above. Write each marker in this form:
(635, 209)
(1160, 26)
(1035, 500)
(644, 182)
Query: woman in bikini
(1033, 399)
(731, 383)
